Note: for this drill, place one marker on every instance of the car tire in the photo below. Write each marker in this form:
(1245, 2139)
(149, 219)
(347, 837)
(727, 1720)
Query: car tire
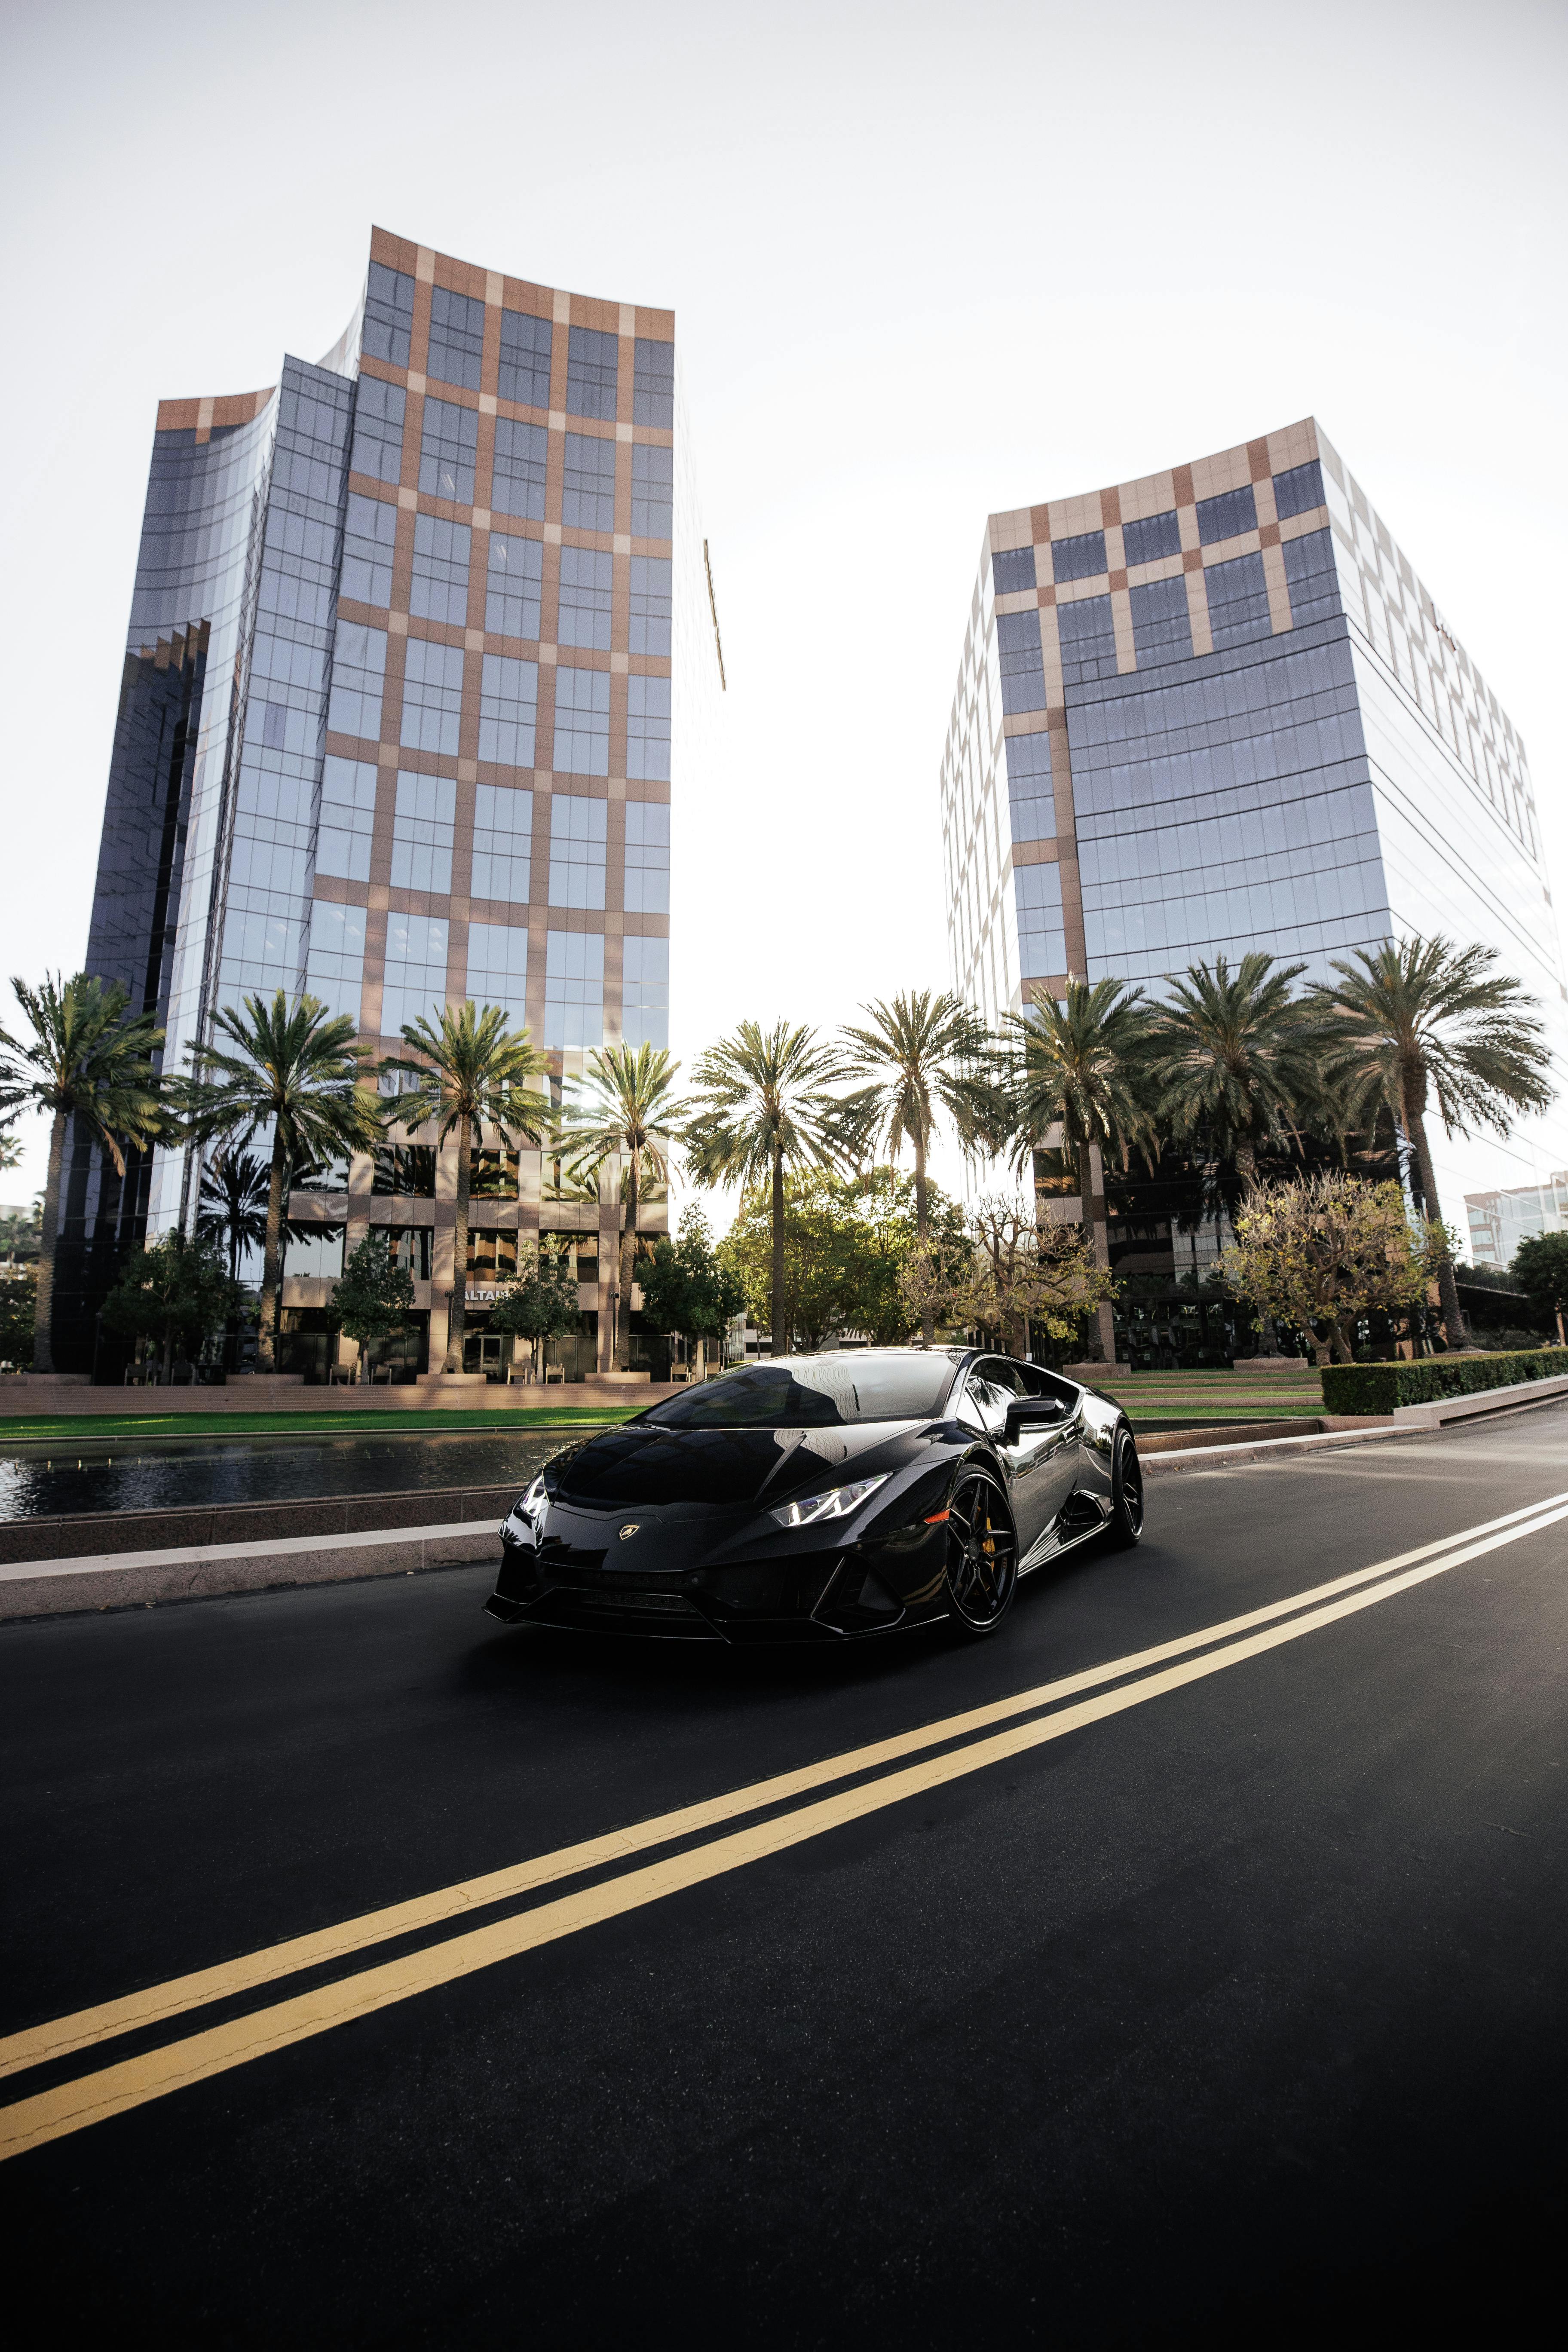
(1125, 1526)
(982, 1556)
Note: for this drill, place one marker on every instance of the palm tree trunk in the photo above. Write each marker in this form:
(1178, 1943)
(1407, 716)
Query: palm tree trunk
(1447, 1288)
(1247, 1168)
(922, 1227)
(1096, 1329)
(779, 1336)
(44, 1302)
(272, 1261)
(457, 1306)
(625, 1271)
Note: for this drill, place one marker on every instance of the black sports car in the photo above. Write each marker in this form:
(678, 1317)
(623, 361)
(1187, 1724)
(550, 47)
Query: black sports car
(814, 1497)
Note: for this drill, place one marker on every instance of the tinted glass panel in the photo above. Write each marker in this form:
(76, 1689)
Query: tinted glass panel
(388, 315)
(457, 338)
(1239, 601)
(1022, 661)
(653, 480)
(1313, 582)
(1146, 540)
(1082, 558)
(525, 344)
(448, 450)
(591, 364)
(1162, 626)
(1087, 640)
(1299, 491)
(654, 395)
(378, 429)
(518, 487)
(1227, 516)
(1011, 568)
(815, 1392)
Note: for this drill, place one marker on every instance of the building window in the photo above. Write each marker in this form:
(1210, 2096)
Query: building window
(379, 410)
(508, 709)
(422, 832)
(574, 988)
(581, 722)
(653, 491)
(518, 484)
(1162, 623)
(334, 966)
(524, 359)
(512, 591)
(587, 576)
(647, 727)
(406, 1171)
(416, 984)
(1042, 937)
(588, 483)
(432, 698)
(1151, 536)
(577, 828)
(653, 397)
(1088, 637)
(409, 1247)
(493, 1254)
(439, 590)
(1238, 602)
(457, 338)
(591, 359)
(1082, 558)
(1299, 491)
(1227, 516)
(498, 968)
(1022, 661)
(1311, 577)
(1012, 570)
(644, 992)
(347, 820)
(448, 450)
(650, 605)
(503, 830)
(370, 529)
(317, 1256)
(388, 316)
(647, 858)
(359, 673)
(1032, 808)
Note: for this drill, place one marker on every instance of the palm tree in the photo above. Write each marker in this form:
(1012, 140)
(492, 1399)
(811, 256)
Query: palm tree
(921, 1055)
(1419, 1018)
(89, 1058)
(625, 1103)
(1233, 1054)
(1079, 1064)
(294, 1072)
(473, 1071)
(761, 1105)
(231, 1209)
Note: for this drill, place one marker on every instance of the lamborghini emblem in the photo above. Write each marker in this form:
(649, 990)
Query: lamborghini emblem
(629, 1529)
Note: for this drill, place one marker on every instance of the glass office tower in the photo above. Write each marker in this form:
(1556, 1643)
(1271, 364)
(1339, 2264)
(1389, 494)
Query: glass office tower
(419, 639)
(1215, 710)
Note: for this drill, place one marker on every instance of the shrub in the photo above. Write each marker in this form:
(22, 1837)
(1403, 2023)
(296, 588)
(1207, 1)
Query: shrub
(1379, 1388)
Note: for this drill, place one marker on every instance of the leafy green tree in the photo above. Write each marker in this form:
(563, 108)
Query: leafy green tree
(176, 1293)
(18, 1292)
(292, 1073)
(921, 1054)
(685, 1288)
(624, 1105)
(473, 1071)
(846, 1244)
(374, 1294)
(1418, 1021)
(1080, 1065)
(1540, 1270)
(231, 1207)
(762, 1109)
(1327, 1248)
(89, 1058)
(542, 1304)
(20, 1234)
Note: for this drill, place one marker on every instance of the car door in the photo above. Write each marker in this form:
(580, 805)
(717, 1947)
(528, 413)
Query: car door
(1043, 1463)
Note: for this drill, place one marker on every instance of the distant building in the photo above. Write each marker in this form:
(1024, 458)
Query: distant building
(1499, 1222)
(1215, 710)
(419, 637)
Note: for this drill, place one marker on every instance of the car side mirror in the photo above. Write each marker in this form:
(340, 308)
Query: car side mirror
(1033, 1412)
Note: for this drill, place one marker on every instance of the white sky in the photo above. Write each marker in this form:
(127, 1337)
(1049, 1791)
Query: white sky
(927, 261)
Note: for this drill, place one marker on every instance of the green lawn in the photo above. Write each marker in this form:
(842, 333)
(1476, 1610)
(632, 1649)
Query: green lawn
(1209, 1400)
(90, 1429)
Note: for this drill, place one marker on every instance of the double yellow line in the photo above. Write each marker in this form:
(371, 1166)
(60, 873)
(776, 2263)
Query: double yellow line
(1121, 1684)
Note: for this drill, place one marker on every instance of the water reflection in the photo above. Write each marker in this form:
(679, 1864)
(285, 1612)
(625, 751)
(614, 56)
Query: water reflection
(47, 1481)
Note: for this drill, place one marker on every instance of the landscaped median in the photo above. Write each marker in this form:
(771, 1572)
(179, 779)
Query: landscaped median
(1361, 1389)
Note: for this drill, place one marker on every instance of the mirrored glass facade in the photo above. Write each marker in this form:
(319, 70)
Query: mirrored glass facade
(1217, 708)
(341, 680)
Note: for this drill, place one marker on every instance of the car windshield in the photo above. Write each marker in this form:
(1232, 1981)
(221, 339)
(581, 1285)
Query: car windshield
(815, 1392)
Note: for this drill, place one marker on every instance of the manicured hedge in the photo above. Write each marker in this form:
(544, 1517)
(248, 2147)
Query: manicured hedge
(1378, 1388)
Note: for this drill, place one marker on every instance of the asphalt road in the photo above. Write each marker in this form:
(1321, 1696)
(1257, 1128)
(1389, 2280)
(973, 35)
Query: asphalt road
(1239, 2014)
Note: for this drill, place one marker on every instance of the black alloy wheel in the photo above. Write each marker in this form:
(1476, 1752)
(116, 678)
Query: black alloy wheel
(982, 1555)
(1126, 1524)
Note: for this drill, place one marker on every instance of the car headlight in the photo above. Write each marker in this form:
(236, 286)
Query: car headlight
(836, 1504)
(531, 1506)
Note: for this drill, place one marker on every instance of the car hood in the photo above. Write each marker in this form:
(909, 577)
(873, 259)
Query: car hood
(646, 1465)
